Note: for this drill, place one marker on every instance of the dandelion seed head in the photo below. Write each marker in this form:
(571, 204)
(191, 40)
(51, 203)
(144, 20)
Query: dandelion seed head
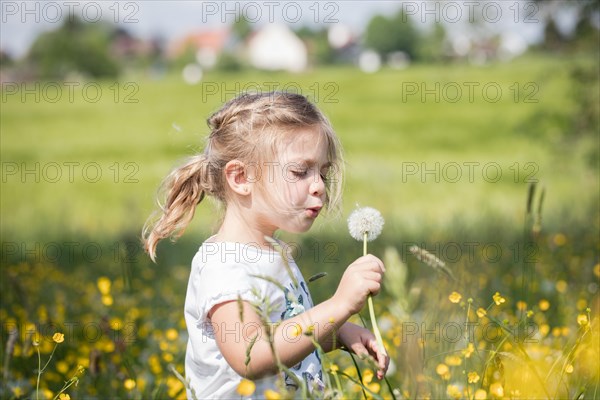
(365, 220)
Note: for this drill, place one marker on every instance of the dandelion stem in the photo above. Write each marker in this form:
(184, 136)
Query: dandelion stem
(372, 309)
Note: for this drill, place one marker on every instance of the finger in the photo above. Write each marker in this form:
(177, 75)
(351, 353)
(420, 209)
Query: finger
(373, 276)
(383, 362)
(371, 261)
(381, 357)
(374, 287)
(378, 263)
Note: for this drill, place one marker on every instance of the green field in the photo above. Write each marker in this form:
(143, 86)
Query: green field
(447, 153)
(479, 154)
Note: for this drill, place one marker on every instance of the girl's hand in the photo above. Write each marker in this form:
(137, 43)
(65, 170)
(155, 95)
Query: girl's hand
(361, 279)
(362, 342)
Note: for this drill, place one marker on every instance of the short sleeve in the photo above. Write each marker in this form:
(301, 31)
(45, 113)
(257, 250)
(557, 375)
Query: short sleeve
(218, 283)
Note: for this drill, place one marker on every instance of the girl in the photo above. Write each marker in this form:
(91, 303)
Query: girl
(273, 161)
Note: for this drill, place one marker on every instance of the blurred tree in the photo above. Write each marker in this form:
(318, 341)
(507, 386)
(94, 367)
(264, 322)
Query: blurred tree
(319, 50)
(74, 47)
(241, 28)
(229, 62)
(586, 34)
(386, 35)
(5, 59)
(432, 44)
(554, 40)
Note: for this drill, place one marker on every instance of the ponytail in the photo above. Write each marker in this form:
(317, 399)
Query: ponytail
(184, 187)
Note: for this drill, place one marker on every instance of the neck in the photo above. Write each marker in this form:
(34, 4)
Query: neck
(243, 227)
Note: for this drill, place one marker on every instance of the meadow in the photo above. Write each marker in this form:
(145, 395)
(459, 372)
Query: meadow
(489, 168)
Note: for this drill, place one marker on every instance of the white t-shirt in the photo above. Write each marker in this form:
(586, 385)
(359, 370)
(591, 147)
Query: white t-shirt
(222, 271)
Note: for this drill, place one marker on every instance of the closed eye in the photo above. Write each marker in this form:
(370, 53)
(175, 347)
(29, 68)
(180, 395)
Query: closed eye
(301, 173)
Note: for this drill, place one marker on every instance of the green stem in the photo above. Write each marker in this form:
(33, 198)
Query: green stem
(372, 309)
(37, 385)
(338, 384)
(359, 375)
(40, 369)
(68, 384)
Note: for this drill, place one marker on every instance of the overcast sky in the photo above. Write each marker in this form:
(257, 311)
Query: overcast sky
(22, 21)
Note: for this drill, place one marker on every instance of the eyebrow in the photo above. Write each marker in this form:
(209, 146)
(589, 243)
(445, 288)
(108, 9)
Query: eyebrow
(310, 163)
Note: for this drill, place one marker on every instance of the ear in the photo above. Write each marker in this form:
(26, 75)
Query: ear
(237, 179)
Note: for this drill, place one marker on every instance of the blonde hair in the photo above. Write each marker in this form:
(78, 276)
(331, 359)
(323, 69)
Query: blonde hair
(249, 128)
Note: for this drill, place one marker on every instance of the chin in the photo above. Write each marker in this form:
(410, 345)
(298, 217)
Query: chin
(298, 228)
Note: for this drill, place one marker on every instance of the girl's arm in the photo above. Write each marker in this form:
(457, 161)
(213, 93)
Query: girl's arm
(234, 336)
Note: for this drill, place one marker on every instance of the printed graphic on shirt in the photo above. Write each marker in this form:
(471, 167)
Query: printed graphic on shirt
(313, 375)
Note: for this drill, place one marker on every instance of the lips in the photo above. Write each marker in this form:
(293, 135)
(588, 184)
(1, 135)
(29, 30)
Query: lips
(313, 211)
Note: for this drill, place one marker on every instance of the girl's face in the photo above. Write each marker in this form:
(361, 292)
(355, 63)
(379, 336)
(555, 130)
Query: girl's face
(295, 186)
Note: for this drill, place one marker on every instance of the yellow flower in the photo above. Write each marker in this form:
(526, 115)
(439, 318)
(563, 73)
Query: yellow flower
(174, 386)
(455, 297)
(116, 323)
(246, 387)
(453, 391)
(17, 391)
(374, 387)
(582, 319)
(453, 360)
(296, 330)
(544, 304)
(333, 368)
(560, 239)
(521, 305)
(107, 300)
(367, 381)
(481, 312)
(498, 299)
(171, 334)
(58, 337)
(569, 369)
(496, 390)
(62, 367)
(64, 396)
(556, 331)
(473, 377)
(480, 394)
(469, 350)
(272, 395)
(367, 377)
(129, 384)
(441, 369)
(104, 285)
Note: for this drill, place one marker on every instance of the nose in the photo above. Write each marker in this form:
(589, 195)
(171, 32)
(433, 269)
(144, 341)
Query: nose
(317, 187)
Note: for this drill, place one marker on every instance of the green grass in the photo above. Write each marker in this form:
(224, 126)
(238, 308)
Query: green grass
(384, 131)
